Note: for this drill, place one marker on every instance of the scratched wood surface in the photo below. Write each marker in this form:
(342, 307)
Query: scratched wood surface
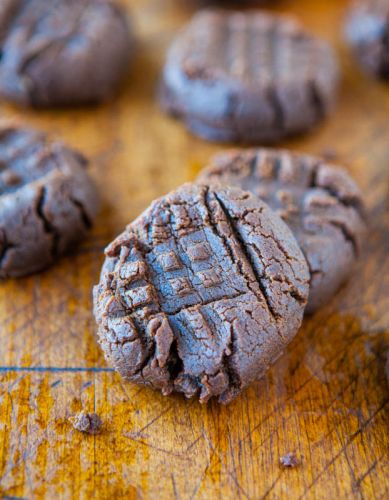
(325, 399)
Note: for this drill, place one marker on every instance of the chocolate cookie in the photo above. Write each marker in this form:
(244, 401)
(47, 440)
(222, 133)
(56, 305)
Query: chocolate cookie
(367, 30)
(61, 52)
(320, 203)
(201, 293)
(248, 76)
(47, 201)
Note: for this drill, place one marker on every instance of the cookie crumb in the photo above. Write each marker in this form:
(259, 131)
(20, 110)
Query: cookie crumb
(90, 423)
(290, 460)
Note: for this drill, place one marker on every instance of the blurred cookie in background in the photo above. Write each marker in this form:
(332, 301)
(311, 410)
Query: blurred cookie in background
(248, 77)
(62, 52)
(320, 203)
(367, 31)
(48, 202)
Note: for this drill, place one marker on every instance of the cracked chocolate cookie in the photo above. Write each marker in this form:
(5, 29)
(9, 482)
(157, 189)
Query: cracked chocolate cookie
(62, 52)
(47, 201)
(367, 30)
(319, 202)
(248, 77)
(201, 293)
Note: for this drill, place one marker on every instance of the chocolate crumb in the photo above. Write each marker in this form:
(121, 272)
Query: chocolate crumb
(90, 423)
(290, 460)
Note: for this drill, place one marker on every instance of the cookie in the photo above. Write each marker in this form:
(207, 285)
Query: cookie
(201, 293)
(47, 201)
(319, 202)
(62, 52)
(248, 77)
(367, 30)
(89, 423)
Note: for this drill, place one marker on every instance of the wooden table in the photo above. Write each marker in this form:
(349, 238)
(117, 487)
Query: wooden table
(325, 399)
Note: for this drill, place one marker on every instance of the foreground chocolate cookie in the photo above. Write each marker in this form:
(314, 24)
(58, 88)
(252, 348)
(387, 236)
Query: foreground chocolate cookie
(248, 76)
(47, 201)
(319, 202)
(367, 30)
(59, 52)
(201, 293)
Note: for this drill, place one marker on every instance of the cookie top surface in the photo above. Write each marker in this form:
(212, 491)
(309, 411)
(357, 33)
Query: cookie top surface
(248, 75)
(201, 293)
(52, 52)
(367, 30)
(319, 202)
(28, 159)
(47, 200)
(25, 157)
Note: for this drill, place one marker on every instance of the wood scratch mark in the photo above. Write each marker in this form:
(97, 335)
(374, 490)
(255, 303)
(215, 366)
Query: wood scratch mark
(348, 442)
(272, 486)
(201, 479)
(174, 486)
(228, 473)
(133, 435)
(291, 396)
(181, 456)
(369, 471)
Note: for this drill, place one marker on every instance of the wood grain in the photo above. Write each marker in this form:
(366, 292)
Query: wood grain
(326, 399)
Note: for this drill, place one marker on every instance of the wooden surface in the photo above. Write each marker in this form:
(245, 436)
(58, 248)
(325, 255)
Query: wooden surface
(326, 399)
